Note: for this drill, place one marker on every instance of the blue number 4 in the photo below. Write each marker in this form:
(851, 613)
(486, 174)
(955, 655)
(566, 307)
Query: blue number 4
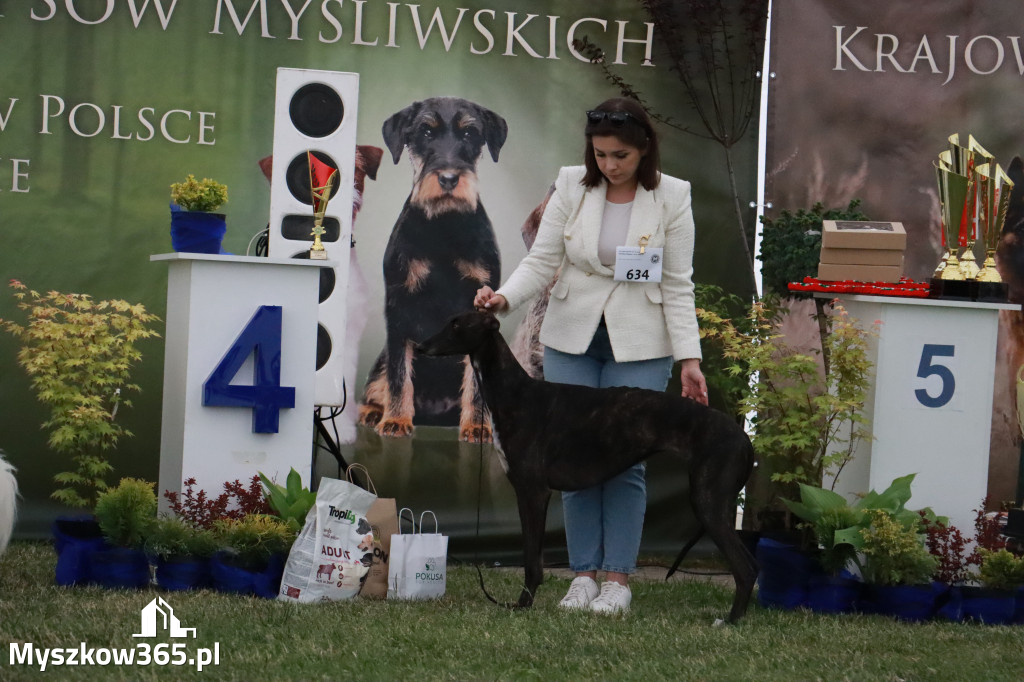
(261, 338)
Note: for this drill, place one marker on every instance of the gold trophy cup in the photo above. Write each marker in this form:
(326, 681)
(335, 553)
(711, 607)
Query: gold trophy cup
(994, 187)
(949, 280)
(321, 181)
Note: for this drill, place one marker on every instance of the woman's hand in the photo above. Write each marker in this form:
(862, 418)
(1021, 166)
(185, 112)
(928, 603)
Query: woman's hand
(693, 382)
(486, 299)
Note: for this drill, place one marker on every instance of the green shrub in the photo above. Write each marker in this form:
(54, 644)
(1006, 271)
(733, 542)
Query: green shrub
(78, 354)
(791, 245)
(1001, 570)
(252, 540)
(804, 424)
(171, 536)
(894, 553)
(126, 513)
(199, 195)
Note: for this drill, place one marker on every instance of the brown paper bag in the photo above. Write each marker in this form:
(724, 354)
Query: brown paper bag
(383, 519)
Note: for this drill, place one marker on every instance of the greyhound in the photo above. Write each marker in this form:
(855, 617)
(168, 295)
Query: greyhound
(564, 437)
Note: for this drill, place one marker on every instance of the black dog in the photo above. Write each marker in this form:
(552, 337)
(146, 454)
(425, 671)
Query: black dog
(564, 437)
(442, 249)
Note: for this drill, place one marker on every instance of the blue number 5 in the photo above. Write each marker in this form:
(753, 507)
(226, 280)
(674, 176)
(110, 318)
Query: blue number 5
(926, 369)
(266, 396)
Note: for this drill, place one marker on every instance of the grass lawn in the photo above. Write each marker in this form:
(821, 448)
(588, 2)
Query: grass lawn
(668, 636)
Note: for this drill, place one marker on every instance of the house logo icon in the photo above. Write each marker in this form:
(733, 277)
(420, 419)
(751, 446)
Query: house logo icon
(158, 614)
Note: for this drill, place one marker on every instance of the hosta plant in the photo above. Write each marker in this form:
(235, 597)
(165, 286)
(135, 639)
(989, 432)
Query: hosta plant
(290, 502)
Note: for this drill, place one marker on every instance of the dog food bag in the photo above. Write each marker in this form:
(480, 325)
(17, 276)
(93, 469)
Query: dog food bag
(332, 555)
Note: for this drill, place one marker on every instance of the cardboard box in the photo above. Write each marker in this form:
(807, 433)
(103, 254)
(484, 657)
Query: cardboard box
(860, 273)
(859, 234)
(861, 256)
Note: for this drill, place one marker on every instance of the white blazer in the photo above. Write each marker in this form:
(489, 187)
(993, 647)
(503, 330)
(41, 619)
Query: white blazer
(645, 320)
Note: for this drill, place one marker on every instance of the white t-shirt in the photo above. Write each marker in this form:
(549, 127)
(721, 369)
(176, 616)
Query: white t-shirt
(614, 227)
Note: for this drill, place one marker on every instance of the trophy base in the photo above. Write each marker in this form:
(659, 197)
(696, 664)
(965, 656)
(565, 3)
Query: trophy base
(993, 292)
(953, 289)
(318, 255)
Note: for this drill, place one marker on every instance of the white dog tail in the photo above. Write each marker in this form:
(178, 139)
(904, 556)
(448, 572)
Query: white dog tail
(8, 502)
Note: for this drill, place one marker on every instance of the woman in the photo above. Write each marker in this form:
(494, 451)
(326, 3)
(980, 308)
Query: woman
(600, 330)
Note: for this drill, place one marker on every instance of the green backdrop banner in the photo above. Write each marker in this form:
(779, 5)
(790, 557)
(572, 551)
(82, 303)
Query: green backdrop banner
(105, 103)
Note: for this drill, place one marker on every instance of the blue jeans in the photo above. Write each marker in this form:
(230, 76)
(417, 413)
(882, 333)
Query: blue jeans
(603, 524)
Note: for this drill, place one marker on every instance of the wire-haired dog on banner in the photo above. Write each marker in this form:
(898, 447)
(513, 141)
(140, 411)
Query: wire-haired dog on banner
(441, 250)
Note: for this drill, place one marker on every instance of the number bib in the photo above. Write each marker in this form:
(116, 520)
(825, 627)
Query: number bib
(632, 265)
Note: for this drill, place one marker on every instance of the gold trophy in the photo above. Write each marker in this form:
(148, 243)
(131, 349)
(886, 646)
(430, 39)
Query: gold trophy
(949, 281)
(974, 194)
(321, 180)
(994, 187)
(975, 155)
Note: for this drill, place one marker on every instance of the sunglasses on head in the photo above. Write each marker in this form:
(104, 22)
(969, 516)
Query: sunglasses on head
(616, 118)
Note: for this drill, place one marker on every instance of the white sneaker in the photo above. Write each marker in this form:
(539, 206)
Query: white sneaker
(581, 593)
(614, 598)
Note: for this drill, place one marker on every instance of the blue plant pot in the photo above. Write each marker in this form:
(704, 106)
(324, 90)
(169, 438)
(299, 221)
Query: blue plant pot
(914, 603)
(197, 231)
(76, 539)
(179, 573)
(1018, 612)
(229, 577)
(833, 594)
(120, 568)
(784, 574)
(992, 607)
(949, 604)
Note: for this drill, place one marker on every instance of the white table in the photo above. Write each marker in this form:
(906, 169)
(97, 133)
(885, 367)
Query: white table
(239, 369)
(930, 403)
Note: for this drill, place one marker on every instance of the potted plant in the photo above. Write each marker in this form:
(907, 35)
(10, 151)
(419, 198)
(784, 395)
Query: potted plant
(954, 559)
(125, 515)
(290, 502)
(804, 423)
(1001, 575)
(985, 578)
(79, 353)
(897, 568)
(253, 554)
(181, 552)
(837, 527)
(195, 225)
(203, 511)
(827, 514)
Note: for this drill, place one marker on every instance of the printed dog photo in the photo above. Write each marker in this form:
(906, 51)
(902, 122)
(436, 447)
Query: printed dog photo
(441, 250)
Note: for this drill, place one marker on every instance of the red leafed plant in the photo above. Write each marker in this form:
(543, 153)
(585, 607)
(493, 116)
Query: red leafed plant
(235, 502)
(953, 550)
(950, 546)
(987, 532)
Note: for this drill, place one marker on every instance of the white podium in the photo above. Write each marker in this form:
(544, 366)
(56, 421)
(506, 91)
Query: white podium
(239, 369)
(930, 403)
